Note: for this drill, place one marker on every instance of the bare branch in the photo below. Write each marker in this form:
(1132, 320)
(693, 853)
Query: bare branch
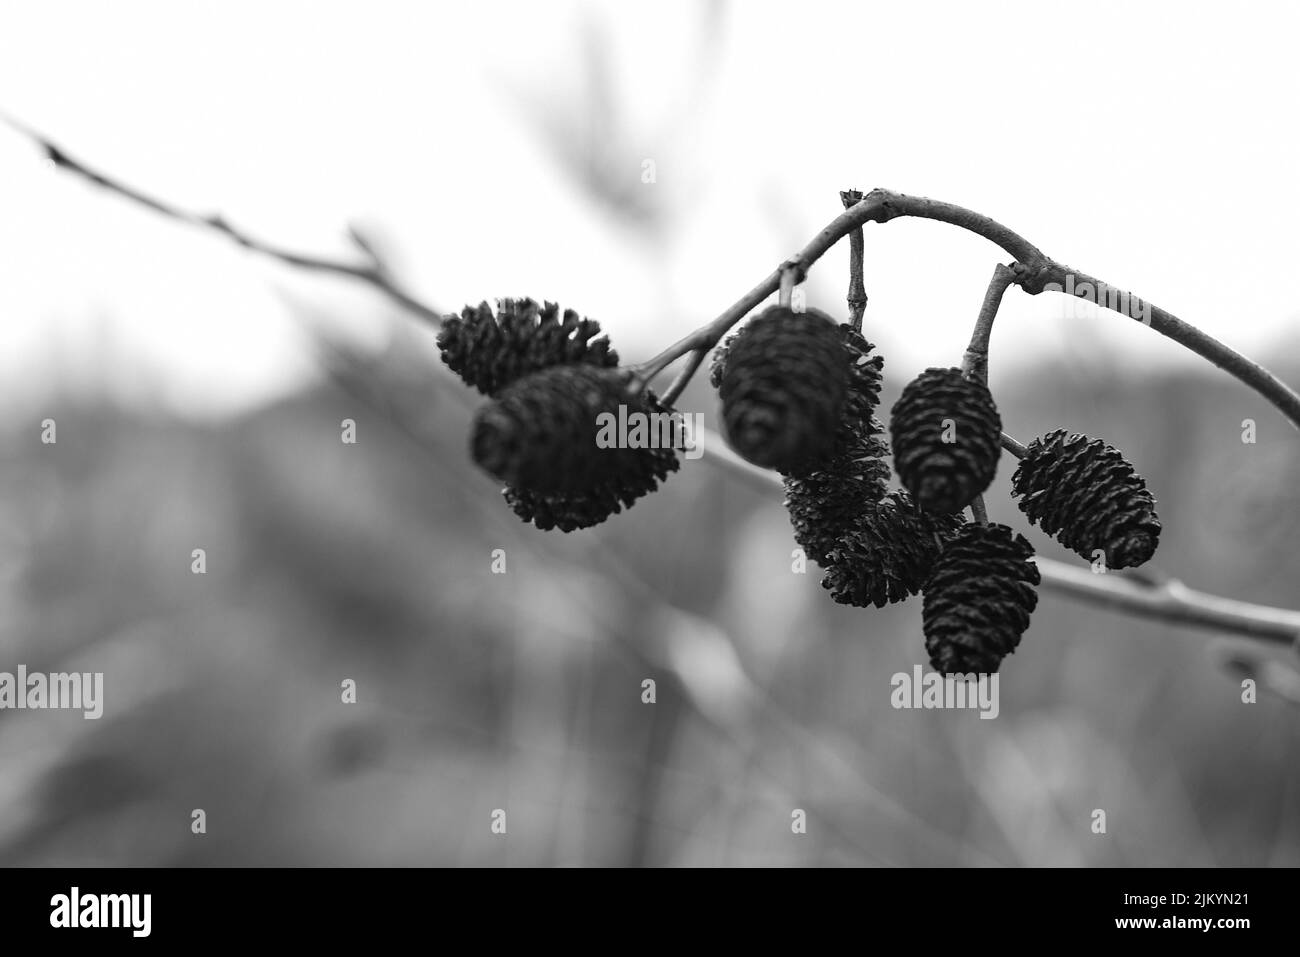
(857, 294)
(1013, 446)
(975, 364)
(373, 273)
(684, 377)
(1168, 600)
(1035, 273)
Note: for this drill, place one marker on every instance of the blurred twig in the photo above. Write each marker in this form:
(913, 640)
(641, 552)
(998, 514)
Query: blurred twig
(1278, 678)
(1035, 272)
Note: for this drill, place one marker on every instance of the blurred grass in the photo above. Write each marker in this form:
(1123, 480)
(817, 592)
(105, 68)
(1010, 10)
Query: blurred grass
(522, 691)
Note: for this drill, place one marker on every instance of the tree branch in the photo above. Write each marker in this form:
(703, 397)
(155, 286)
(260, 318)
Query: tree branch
(372, 274)
(1169, 601)
(1016, 448)
(684, 377)
(975, 364)
(857, 294)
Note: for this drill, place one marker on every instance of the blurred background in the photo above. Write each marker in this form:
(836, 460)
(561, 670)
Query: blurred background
(646, 165)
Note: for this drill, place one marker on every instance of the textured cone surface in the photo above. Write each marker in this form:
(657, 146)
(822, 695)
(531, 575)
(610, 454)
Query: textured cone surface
(576, 510)
(945, 476)
(888, 553)
(857, 417)
(491, 352)
(827, 498)
(541, 435)
(825, 503)
(783, 387)
(1087, 496)
(978, 600)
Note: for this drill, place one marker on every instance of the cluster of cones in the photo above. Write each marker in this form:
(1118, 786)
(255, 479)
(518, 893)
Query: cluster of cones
(799, 395)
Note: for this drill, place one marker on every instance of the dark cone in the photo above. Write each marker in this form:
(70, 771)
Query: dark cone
(1087, 496)
(556, 432)
(888, 553)
(938, 405)
(857, 416)
(783, 387)
(978, 599)
(585, 509)
(863, 393)
(825, 503)
(491, 352)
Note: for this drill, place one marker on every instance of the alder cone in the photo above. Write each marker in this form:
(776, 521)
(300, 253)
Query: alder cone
(863, 395)
(825, 498)
(540, 435)
(826, 502)
(570, 512)
(857, 416)
(978, 599)
(945, 476)
(783, 386)
(865, 370)
(1087, 496)
(888, 553)
(490, 352)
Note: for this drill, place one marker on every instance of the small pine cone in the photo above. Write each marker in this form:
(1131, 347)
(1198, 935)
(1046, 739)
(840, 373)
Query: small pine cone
(491, 352)
(1087, 496)
(978, 599)
(827, 502)
(783, 388)
(544, 434)
(585, 509)
(888, 553)
(863, 393)
(945, 476)
(864, 376)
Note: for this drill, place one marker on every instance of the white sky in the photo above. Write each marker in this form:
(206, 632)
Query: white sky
(1154, 145)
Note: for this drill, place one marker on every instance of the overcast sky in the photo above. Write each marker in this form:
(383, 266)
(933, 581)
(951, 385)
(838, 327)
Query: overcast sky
(1154, 145)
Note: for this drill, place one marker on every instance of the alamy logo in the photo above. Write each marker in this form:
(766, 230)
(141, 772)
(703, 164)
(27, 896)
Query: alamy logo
(1098, 293)
(933, 690)
(102, 910)
(651, 430)
(76, 690)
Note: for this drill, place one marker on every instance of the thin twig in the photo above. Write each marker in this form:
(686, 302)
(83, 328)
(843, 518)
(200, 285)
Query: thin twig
(857, 294)
(1275, 677)
(975, 364)
(684, 377)
(1013, 446)
(1169, 600)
